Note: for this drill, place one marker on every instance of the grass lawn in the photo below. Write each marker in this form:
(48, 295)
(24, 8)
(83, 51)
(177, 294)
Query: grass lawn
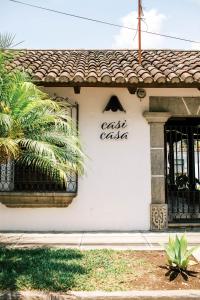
(70, 269)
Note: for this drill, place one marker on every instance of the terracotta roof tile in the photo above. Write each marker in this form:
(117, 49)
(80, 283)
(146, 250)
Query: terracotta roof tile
(110, 66)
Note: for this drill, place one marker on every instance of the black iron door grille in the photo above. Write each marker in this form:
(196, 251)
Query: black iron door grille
(182, 167)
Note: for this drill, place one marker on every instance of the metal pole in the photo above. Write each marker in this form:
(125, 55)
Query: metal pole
(139, 33)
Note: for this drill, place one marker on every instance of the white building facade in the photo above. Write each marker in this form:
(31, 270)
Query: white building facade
(117, 192)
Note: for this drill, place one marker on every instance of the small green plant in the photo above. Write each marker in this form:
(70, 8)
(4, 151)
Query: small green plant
(177, 252)
(179, 257)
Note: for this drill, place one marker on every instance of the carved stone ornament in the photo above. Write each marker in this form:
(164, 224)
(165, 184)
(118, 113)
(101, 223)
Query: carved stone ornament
(159, 214)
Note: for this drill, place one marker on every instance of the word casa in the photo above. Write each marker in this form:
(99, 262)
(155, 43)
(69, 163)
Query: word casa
(114, 130)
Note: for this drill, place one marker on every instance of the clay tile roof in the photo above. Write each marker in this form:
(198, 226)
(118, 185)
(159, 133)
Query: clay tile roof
(110, 66)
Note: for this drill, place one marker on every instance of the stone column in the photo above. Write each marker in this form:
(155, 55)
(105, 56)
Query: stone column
(159, 210)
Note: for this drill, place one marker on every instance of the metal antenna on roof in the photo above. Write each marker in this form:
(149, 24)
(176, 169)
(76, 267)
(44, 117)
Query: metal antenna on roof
(140, 14)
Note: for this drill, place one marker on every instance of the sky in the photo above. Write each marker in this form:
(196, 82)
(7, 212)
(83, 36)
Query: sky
(47, 30)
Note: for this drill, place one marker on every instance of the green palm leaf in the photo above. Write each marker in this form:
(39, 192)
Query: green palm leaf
(6, 123)
(54, 169)
(9, 148)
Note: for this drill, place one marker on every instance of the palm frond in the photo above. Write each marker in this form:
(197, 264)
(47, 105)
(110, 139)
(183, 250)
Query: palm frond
(6, 123)
(8, 149)
(6, 40)
(57, 171)
(60, 139)
(37, 147)
(72, 157)
(38, 118)
(37, 104)
(64, 125)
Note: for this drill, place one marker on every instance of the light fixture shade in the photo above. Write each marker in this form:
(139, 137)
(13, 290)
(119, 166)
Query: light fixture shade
(114, 105)
(141, 93)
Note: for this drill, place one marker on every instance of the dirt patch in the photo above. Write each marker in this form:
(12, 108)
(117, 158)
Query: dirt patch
(154, 278)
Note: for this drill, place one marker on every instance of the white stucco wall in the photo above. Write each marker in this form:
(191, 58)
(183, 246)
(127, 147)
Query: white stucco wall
(115, 192)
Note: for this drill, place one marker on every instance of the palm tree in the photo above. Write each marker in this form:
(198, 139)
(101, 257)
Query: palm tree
(35, 130)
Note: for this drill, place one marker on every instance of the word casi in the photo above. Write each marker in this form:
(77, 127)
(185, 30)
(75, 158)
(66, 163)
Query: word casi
(114, 130)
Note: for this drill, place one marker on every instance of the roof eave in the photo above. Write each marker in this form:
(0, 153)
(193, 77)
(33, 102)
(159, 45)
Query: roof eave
(119, 85)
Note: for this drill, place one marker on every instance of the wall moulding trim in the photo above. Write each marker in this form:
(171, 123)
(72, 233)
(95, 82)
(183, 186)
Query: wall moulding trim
(157, 117)
(36, 200)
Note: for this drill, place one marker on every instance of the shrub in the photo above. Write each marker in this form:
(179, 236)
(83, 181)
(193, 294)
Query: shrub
(178, 254)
